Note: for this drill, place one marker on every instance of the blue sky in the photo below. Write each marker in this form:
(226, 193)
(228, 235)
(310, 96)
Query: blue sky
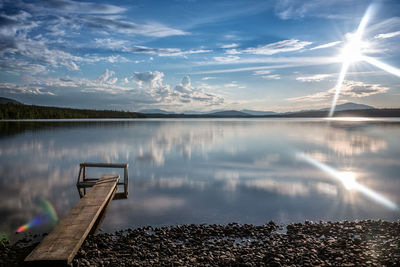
(196, 55)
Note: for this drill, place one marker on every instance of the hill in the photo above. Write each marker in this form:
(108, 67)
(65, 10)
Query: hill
(258, 112)
(229, 113)
(155, 111)
(5, 100)
(349, 106)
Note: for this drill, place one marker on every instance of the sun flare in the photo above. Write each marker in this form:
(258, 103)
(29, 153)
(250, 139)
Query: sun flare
(353, 52)
(348, 179)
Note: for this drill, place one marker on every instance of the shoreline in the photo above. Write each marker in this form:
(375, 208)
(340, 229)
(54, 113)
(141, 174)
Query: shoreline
(343, 243)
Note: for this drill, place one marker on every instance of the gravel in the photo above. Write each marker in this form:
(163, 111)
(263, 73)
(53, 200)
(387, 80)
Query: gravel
(344, 243)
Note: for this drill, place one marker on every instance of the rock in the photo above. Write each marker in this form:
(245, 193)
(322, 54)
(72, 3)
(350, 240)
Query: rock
(324, 243)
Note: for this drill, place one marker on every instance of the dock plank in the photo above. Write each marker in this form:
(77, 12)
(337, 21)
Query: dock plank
(64, 241)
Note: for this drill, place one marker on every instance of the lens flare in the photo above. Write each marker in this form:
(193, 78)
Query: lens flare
(349, 181)
(49, 216)
(50, 211)
(352, 52)
(38, 220)
(381, 65)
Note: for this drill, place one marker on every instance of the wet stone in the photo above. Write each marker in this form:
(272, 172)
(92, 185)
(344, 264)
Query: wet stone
(309, 244)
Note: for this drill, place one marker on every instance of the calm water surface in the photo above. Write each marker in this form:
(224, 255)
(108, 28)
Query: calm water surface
(206, 171)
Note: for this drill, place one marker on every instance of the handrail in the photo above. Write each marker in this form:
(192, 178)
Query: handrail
(104, 165)
(81, 182)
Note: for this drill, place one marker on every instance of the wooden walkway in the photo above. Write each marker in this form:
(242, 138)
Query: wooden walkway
(61, 245)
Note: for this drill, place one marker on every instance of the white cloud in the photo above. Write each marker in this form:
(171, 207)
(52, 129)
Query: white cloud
(233, 70)
(110, 24)
(287, 62)
(110, 43)
(314, 78)
(261, 72)
(149, 79)
(231, 84)
(69, 6)
(208, 78)
(163, 52)
(22, 65)
(292, 61)
(18, 46)
(326, 45)
(152, 90)
(232, 52)
(278, 47)
(387, 26)
(349, 88)
(331, 9)
(185, 86)
(106, 77)
(10, 88)
(183, 93)
(387, 35)
(272, 48)
(186, 93)
(272, 77)
(360, 89)
(169, 52)
(228, 59)
(233, 45)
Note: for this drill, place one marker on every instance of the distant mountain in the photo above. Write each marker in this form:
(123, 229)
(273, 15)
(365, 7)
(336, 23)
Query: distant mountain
(5, 100)
(229, 113)
(349, 106)
(194, 112)
(155, 111)
(258, 112)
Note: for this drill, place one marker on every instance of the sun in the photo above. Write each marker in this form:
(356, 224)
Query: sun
(353, 52)
(348, 179)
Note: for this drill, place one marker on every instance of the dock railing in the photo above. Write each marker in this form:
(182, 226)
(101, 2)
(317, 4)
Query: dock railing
(85, 182)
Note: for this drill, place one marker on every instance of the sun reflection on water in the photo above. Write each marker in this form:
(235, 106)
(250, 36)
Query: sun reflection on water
(349, 181)
(350, 119)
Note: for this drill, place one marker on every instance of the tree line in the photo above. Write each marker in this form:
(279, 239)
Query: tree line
(19, 112)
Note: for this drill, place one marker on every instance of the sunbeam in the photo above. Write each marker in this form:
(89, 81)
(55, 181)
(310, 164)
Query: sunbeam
(339, 84)
(381, 65)
(352, 52)
(349, 181)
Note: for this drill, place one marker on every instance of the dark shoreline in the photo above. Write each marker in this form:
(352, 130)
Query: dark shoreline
(357, 243)
(15, 111)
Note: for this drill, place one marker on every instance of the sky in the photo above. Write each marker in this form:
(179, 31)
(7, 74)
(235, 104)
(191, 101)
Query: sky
(192, 55)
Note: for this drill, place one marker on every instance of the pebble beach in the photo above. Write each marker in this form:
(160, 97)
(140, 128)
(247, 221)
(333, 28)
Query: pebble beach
(344, 243)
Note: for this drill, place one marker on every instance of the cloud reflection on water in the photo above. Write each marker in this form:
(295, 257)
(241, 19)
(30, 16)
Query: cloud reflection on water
(204, 171)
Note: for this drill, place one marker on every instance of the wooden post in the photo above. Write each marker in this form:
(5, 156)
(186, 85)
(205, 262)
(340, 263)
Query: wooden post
(126, 180)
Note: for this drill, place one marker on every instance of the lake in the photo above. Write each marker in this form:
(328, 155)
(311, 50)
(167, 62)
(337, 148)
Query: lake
(206, 171)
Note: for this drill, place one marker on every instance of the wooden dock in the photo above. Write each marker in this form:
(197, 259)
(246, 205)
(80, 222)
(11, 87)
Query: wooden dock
(61, 245)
